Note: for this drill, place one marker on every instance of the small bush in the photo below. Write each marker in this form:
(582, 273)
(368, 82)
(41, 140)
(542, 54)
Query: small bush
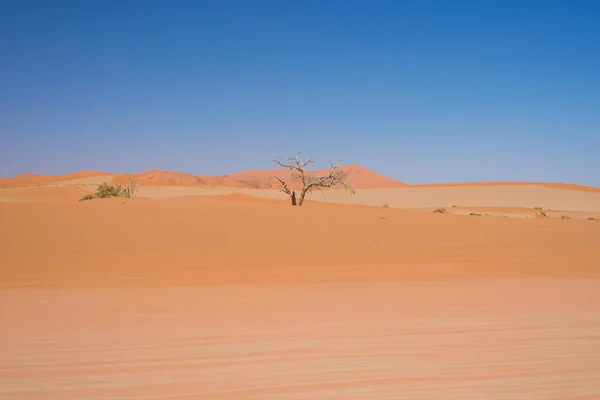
(537, 208)
(592, 219)
(440, 210)
(105, 191)
(475, 214)
(88, 196)
(454, 205)
(128, 188)
(385, 205)
(565, 217)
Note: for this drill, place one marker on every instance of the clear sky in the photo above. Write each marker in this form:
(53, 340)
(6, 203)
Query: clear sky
(421, 91)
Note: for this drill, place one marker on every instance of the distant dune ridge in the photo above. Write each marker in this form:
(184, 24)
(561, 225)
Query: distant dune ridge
(359, 177)
(556, 185)
(26, 179)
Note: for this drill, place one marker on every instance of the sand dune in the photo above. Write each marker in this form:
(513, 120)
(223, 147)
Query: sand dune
(358, 176)
(500, 198)
(140, 242)
(233, 297)
(528, 196)
(512, 201)
(32, 179)
(192, 291)
(161, 178)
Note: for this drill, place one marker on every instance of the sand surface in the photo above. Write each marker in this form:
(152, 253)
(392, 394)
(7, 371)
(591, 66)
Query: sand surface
(197, 240)
(556, 185)
(230, 293)
(469, 340)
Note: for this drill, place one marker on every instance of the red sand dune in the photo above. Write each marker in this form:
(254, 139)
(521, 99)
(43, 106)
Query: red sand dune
(359, 177)
(157, 177)
(33, 179)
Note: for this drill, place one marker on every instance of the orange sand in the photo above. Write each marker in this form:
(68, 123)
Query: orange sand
(198, 241)
(31, 179)
(67, 194)
(460, 340)
(237, 297)
(358, 176)
(567, 186)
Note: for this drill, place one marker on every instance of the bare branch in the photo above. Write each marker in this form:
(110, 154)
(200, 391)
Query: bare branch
(294, 163)
(285, 189)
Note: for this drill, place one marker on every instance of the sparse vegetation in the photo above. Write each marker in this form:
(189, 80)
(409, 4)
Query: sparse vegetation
(385, 205)
(128, 188)
(88, 196)
(440, 210)
(565, 217)
(125, 189)
(454, 205)
(105, 191)
(474, 214)
(592, 219)
(336, 178)
(538, 208)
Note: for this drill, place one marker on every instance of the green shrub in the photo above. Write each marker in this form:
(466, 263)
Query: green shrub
(537, 208)
(105, 191)
(88, 196)
(128, 188)
(565, 217)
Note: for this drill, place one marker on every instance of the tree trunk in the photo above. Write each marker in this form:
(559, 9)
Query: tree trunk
(302, 197)
(293, 196)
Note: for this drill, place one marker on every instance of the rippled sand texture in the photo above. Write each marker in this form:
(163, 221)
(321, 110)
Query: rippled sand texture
(522, 339)
(241, 298)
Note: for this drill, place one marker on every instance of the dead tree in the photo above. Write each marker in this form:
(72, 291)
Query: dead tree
(336, 178)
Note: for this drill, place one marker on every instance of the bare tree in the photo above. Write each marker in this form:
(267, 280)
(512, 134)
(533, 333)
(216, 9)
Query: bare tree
(336, 178)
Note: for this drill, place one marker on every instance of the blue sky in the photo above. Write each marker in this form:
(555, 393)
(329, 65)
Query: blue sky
(421, 91)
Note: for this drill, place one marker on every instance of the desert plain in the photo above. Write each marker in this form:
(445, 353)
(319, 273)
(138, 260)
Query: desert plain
(216, 288)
